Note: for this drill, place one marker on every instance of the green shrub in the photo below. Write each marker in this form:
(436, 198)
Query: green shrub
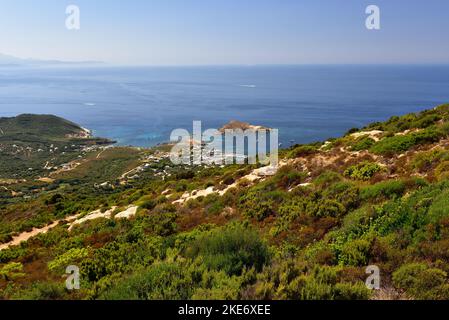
(345, 193)
(163, 281)
(11, 271)
(327, 178)
(426, 121)
(288, 212)
(258, 204)
(383, 190)
(402, 143)
(230, 249)
(351, 291)
(12, 253)
(288, 281)
(355, 253)
(363, 171)
(70, 257)
(421, 281)
(444, 128)
(302, 151)
(116, 257)
(423, 161)
(329, 208)
(288, 177)
(43, 291)
(219, 286)
(161, 222)
(213, 204)
(439, 207)
(146, 202)
(185, 175)
(442, 171)
(363, 143)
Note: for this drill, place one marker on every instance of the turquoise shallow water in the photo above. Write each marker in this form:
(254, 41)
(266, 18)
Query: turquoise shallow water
(141, 106)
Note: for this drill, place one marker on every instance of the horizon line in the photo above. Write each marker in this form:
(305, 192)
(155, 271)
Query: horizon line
(87, 64)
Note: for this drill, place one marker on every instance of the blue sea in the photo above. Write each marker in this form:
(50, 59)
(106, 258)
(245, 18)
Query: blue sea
(141, 105)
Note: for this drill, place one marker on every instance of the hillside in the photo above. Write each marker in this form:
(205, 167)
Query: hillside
(33, 146)
(141, 228)
(28, 127)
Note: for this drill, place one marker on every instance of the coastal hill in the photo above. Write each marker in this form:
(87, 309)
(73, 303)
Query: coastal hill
(140, 227)
(30, 143)
(40, 128)
(239, 125)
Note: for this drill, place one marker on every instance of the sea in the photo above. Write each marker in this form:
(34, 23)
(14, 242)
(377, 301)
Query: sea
(141, 106)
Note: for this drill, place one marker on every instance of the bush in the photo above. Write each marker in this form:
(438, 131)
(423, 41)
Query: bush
(351, 291)
(289, 211)
(422, 282)
(355, 253)
(162, 221)
(213, 204)
(288, 177)
(402, 143)
(424, 161)
(302, 151)
(426, 121)
(228, 179)
(345, 193)
(54, 199)
(185, 175)
(363, 143)
(329, 208)
(116, 257)
(383, 190)
(70, 257)
(444, 129)
(12, 253)
(44, 291)
(230, 249)
(162, 281)
(290, 281)
(442, 171)
(363, 171)
(439, 207)
(11, 271)
(258, 204)
(146, 202)
(327, 178)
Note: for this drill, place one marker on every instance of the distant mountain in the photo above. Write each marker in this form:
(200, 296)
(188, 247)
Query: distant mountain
(7, 60)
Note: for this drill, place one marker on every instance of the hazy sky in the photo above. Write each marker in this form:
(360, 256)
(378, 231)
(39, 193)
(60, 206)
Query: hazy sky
(186, 32)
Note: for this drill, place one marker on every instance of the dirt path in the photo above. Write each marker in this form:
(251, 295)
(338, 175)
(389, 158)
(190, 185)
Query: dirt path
(255, 175)
(72, 220)
(31, 234)
(100, 153)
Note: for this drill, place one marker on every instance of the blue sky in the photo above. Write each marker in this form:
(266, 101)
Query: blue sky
(203, 32)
